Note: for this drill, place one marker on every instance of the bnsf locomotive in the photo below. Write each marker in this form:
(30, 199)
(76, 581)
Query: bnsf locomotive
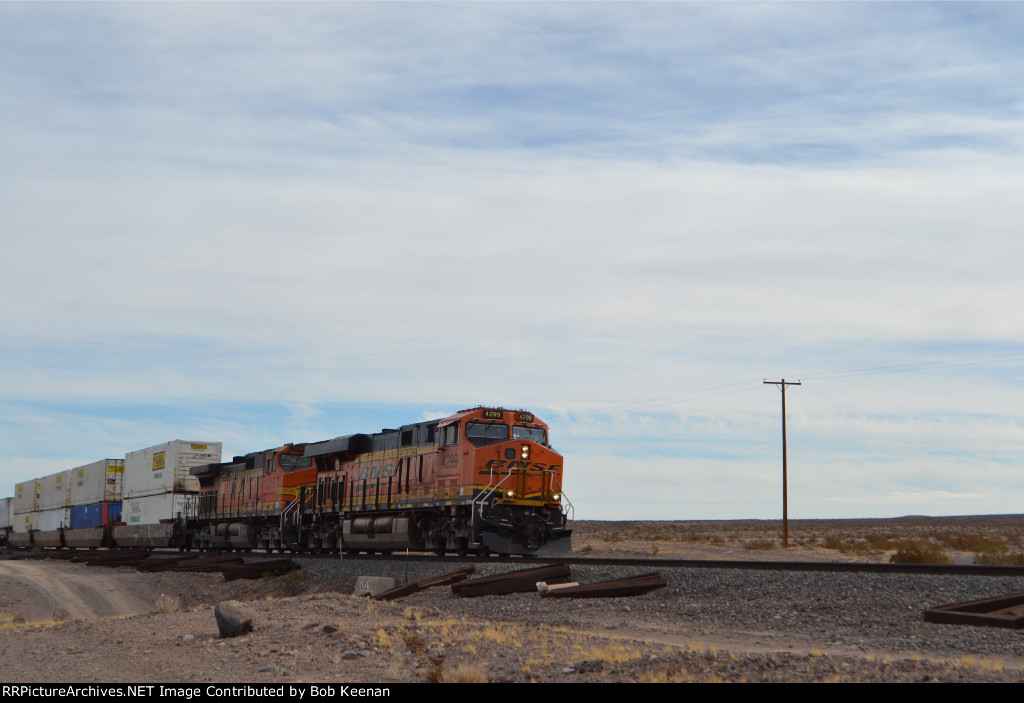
(483, 480)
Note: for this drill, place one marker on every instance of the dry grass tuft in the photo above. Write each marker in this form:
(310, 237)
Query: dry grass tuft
(464, 673)
(999, 556)
(9, 622)
(919, 552)
(291, 584)
(168, 604)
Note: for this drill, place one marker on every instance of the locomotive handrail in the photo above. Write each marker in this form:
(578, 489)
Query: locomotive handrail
(484, 496)
(566, 503)
(293, 506)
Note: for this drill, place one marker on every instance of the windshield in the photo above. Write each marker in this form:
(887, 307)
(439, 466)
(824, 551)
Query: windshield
(535, 434)
(483, 433)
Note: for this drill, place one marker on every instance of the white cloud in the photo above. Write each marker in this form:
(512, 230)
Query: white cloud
(553, 206)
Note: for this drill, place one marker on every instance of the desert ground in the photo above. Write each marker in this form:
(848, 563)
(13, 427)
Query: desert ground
(67, 622)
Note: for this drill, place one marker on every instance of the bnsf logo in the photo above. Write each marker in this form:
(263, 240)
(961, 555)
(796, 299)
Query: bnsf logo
(382, 471)
(502, 465)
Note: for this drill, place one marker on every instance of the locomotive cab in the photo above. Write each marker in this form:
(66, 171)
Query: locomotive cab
(517, 503)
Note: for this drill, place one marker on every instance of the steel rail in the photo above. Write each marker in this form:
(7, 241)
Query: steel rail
(750, 565)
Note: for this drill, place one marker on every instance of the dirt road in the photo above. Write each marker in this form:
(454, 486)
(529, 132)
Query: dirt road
(39, 591)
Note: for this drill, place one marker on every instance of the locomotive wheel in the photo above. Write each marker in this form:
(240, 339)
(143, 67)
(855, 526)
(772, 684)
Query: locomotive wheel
(462, 546)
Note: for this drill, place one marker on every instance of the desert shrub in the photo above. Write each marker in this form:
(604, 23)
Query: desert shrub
(916, 552)
(291, 584)
(413, 641)
(999, 556)
(759, 545)
(872, 544)
(854, 547)
(882, 543)
(972, 543)
(168, 604)
(1015, 539)
(464, 673)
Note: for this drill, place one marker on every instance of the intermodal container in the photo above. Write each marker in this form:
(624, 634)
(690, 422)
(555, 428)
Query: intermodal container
(95, 515)
(5, 512)
(55, 491)
(151, 510)
(164, 469)
(26, 496)
(98, 482)
(24, 522)
(54, 519)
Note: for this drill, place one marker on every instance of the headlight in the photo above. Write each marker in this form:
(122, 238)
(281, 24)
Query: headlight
(524, 451)
(556, 497)
(510, 493)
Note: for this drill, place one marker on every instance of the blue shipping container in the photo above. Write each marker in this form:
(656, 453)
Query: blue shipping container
(95, 515)
(87, 516)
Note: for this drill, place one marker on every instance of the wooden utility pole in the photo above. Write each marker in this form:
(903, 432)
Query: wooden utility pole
(785, 499)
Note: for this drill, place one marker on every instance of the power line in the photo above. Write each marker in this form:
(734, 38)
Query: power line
(745, 386)
(661, 400)
(919, 366)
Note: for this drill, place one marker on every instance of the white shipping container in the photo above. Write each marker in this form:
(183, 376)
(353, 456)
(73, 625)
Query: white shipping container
(23, 522)
(165, 468)
(26, 496)
(55, 491)
(98, 482)
(54, 519)
(5, 512)
(150, 510)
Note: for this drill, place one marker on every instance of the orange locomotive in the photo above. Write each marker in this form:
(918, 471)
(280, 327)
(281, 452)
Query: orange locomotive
(483, 480)
(240, 502)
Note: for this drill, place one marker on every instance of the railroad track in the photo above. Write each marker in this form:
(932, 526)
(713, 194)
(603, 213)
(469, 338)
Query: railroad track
(740, 564)
(749, 565)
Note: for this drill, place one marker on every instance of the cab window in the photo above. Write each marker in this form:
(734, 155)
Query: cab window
(451, 434)
(535, 434)
(483, 433)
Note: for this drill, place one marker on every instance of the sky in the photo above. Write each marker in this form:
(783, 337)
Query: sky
(260, 223)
